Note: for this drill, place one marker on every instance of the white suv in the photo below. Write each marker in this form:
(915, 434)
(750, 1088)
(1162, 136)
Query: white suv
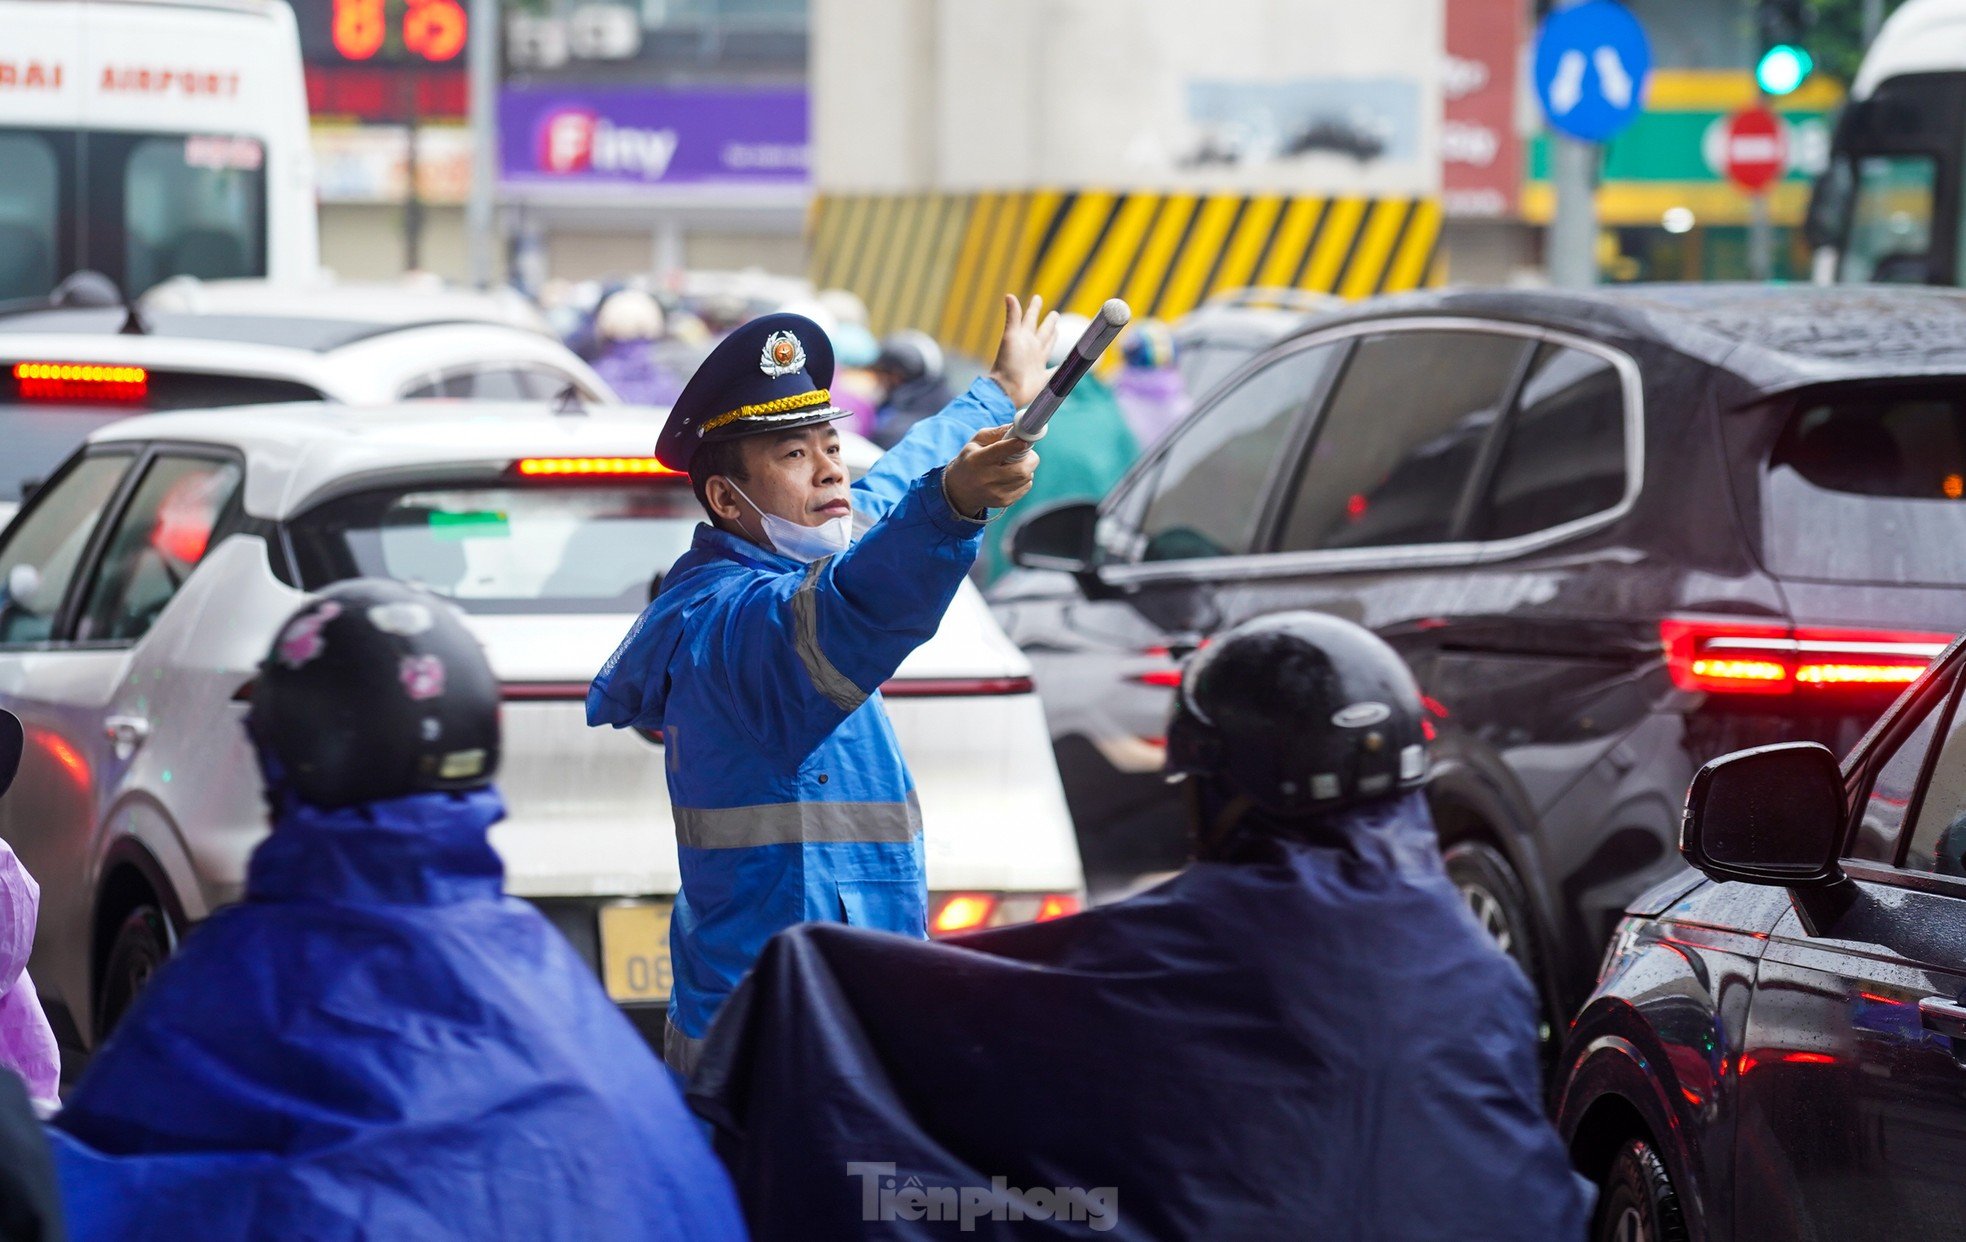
(147, 580)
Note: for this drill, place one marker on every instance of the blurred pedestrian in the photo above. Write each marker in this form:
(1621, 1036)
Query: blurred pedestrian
(1303, 1035)
(27, 1043)
(761, 660)
(909, 371)
(1150, 389)
(1087, 449)
(377, 1042)
(855, 387)
(629, 324)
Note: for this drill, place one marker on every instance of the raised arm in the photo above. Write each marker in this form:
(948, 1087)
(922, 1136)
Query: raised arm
(1015, 378)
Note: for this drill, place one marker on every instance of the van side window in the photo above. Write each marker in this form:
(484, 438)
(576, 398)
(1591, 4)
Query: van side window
(1564, 456)
(29, 207)
(1399, 443)
(160, 538)
(1209, 493)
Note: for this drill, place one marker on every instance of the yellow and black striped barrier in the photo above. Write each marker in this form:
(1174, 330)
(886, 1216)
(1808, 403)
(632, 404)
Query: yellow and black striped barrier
(935, 261)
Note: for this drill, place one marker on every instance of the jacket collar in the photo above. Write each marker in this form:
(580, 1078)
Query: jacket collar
(715, 542)
(424, 850)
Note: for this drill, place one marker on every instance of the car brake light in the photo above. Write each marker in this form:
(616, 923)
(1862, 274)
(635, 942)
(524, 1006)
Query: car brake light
(1167, 678)
(961, 912)
(1744, 657)
(81, 382)
(1057, 906)
(590, 467)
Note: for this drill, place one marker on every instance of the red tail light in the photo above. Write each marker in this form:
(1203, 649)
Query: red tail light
(1057, 906)
(1168, 678)
(81, 382)
(1745, 657)
(952, 913)
(961, 912)
(590, 467)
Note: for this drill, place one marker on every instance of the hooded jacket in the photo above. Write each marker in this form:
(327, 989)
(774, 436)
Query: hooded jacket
(1317, 1043)
(790, 797)
(27, 1043)
(376, 1043)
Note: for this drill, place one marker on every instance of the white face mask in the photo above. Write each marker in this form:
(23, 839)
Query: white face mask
(803, 543)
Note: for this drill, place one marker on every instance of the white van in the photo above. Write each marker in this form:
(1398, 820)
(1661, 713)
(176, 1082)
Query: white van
(145, 139)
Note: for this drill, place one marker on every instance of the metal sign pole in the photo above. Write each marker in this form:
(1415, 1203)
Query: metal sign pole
(479, 223)
(1573, 231)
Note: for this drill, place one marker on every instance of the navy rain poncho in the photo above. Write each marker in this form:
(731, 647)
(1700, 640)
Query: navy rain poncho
(1318, 1045)
(377, 1043)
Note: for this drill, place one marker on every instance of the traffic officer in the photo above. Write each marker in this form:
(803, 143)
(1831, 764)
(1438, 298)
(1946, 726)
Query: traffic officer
(377, 1042)
(1303, 1035)
(760, 661)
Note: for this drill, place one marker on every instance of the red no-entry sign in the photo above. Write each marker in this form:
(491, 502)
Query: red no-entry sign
(1754, 149)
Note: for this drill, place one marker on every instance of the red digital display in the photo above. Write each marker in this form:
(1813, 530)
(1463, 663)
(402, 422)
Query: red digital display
(382, 32)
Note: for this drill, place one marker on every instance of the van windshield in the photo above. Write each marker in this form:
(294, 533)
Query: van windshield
(1869, 486)
(137, 207)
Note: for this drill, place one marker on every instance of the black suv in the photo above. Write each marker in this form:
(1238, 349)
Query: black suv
(1785, 1056)
(1615, 534)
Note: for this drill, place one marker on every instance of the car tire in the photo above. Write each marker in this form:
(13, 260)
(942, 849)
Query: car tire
(1639, 1202)
(144, 941)
(1489, 885)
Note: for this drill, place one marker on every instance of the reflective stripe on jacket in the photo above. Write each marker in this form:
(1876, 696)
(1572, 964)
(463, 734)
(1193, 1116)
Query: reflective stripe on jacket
(790, 796)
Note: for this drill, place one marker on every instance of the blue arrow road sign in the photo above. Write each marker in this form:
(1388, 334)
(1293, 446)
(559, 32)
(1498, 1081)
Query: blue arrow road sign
(1591, 62)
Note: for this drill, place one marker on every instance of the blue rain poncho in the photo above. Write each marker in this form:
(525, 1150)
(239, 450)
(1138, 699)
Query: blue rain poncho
(377, 1043)
(1321, 1044)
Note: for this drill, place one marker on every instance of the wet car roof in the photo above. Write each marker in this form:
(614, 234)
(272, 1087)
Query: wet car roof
(1771, 337)
(286, 331)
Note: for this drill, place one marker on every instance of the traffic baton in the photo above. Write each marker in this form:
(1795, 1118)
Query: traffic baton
(1100, 333)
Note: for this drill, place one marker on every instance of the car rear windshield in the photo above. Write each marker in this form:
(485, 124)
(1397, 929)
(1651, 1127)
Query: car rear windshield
(576, 547)
(44, 417)
(1870, 487)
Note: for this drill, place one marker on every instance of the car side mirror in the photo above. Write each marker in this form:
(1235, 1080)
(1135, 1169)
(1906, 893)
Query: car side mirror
(1771, 815)
(1056, 537)
(11, 743)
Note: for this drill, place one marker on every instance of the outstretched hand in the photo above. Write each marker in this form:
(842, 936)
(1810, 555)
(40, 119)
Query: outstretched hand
(989, 472)
(1026, 347)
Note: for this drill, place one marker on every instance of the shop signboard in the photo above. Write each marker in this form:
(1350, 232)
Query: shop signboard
(628, 139)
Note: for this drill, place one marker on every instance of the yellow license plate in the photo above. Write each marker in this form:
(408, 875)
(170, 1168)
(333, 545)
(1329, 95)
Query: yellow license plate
(635, 951)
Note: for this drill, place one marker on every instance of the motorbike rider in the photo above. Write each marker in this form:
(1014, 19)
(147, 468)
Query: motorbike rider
(377, 1041)
(1304, 1034)
(30, 1208)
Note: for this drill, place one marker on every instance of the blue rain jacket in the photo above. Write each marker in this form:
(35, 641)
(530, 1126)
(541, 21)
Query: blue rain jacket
(1319, 1043)
(790, 796)
(377, 1043)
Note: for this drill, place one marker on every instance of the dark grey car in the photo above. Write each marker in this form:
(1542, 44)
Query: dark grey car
(1615, 534)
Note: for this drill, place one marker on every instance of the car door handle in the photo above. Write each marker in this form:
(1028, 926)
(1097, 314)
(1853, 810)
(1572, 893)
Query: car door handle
(126, 733)
(1946, 1017)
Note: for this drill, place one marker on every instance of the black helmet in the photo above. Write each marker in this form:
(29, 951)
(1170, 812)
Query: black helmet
(1300, 713)
(375, 690)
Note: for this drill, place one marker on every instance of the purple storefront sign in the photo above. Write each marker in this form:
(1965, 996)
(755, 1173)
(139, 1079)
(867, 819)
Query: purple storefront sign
(585, 137)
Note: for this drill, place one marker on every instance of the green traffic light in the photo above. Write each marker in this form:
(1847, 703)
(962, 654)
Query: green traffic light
(1783, 68)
